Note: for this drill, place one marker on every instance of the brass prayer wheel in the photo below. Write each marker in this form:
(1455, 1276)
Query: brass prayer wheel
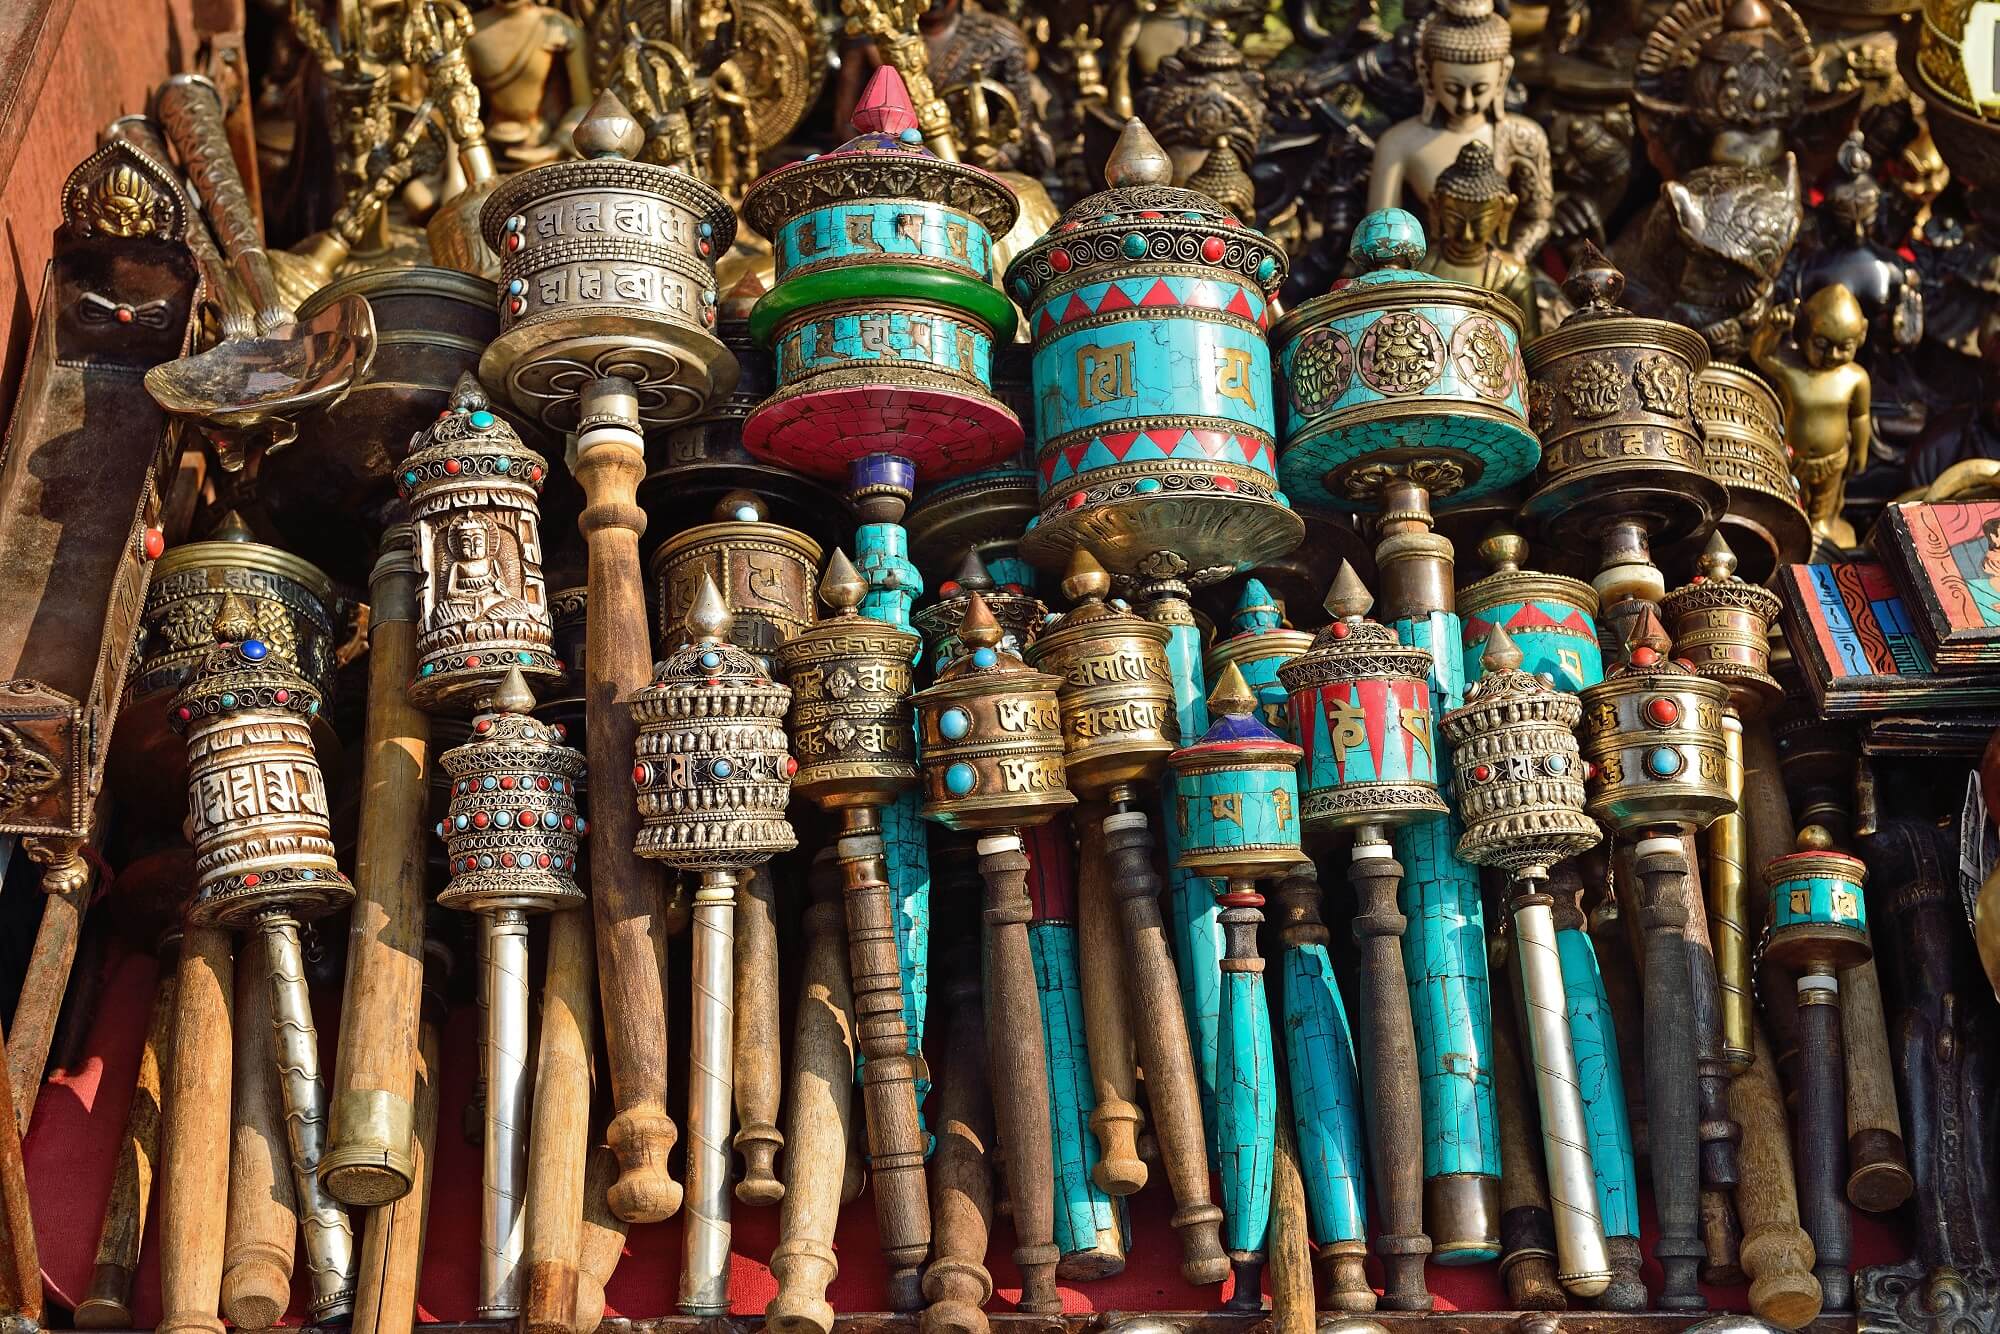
(990, 733)
(1743, 447)
(1721, 624)
(1021, 614)
(765, 571)
(1119, 723)
(851, 677)
(483, 609)
(1611, 394)
(1547, 616)
(607, 269)
(1653, 733)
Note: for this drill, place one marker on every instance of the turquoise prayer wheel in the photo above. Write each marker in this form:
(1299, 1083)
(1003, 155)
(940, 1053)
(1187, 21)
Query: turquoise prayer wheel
(1154, 420)
(1818, 918)
(1263, 642)
(1550, 617)
(1398, 375)
(1239, 791)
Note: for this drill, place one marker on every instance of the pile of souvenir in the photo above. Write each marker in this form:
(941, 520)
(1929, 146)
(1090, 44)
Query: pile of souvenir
(1331, 658)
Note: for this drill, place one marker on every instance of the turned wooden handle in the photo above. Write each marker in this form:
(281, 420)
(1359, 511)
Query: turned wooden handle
(263, 1229)
(370, 1106)
(601, 1242)
(109, 1303)
(822, 1084)
(20, 1267)
(392, 1238)
(1019, 1055)
(759, 1076)
(1388, 1050)
(1661, 865)
(45, 978)
(194, 1159)
(1776, 1253)
(956, 1283)
(1290, 1244)
(1527, 1227)
(1878, 1166)
(560, 1129)
(1820, 1150)
(1107, 1019)
(628, 892)
(1161, 1028)
(1619, 969)
(1712, 1068)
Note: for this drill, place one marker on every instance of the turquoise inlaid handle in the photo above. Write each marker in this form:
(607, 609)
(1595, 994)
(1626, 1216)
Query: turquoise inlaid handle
(1444, 953)
(1594, 1040)
(1193, 917)
(1083, 1212)
(1816, 900)
(1326, 1096)
(1246, 1111)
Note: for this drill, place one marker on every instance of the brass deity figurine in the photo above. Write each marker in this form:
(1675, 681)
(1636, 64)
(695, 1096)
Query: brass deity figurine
(1463, 63)
(1825, 391)
(515, 48)
(1472, 211)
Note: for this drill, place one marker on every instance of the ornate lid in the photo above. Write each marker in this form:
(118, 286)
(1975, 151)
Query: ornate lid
(232, 545)
(469, 443)
(707, 676)
(1815, 855)
(1093, 613)
(1594, 288)
(1351, 645)
(504, 729)
(1144, 219)
(1236, 736)
(886, 159)
(240, 673)
(1505, 695)
(1386, 247)
(1504, 552)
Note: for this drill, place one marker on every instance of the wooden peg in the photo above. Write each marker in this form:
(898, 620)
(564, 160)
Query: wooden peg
(759, 1075)
(601, 1244)
(1117, 1120)
(956, 1284)
(558, 1152)
(263, 1222)
(1777, 1254)
(194, 1163)
(1878, 1166)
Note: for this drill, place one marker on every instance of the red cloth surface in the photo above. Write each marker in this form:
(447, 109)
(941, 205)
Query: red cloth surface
(72, 1146)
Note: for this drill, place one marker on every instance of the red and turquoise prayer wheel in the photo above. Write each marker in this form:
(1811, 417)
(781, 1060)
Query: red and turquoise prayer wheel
(1818, 917)
(1154, 419)
(883, 317)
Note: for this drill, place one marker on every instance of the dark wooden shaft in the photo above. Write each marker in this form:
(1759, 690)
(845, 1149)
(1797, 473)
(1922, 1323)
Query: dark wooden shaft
(888, 1089)
(956, 1284)
(1107, 1017)
(759, 1075)
(260, 1248)
(392, 1239)
(45, 978)
(1527, 1227)
(1388, 1050)
(1878, 1165)
(1292, 1299)
(601, 1244)
(1671, 1095)
(194, 1133)
(1712, 1069)
(1820, 1148)
(1160, 1027)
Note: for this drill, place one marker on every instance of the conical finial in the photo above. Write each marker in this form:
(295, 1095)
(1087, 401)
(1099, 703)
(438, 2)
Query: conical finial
(1501, 653)
(884, 107)
(1086, 579)
(708, 618)
(842, 588)
(1232, 696)
(1504, 551)
(978, 630)
(512, 695)
(1718, 562)
(1349, 598)
(1256, 609)
(1138, 159)
(233, 623)
(1814, 838)
(231, 528)
(973, 576)
(468, 394)
(738, 301)
(1595, 284)
(608, 130)
(741, 507)
(1648, 640)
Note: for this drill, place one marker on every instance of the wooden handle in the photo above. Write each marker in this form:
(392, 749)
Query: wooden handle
(263, 1229)
(45, 977)
(1721, 1240)
(1162, 1032)
(1618, 967)
(20, 1268)
(194, 1160)
(601, 1242)
(109, 1303)
(371, 1108)
(1776, 1253)
(1106, 1017)
(1389, 1077)
(1291, 1270)
(1527, 1228)
(628, 892)
(759, 1076)
(822, 1084)
(1878, 1167)
(1712, 1068)
(1661, 864)
(956, 1283)
(1769, 834)
(392, 1239)
(560, 1129)
(1820, 1151)
(1020, 1081)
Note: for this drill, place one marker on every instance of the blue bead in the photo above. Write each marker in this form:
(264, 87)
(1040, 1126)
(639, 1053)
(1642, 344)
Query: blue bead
(1663, 762)
(516, 286)
(1134, 245)
(308, 875)
(459, 821)
(723, 768)
(409, 479)
(913, 135)
(427, 669)
(501, 465)
(482, 421)
(501, 820)
(255, 649)
(711, 660)
(488, 783)
(550, 820)
(812, 157)
(746, 514)
(953, 724)
(524, 658)
(960, 779)
(485, 861)
(1034, 520)
(1282, 499)
(312, 706)
(706, 229)
(1267, 268)
(229, 701)
(984, 657)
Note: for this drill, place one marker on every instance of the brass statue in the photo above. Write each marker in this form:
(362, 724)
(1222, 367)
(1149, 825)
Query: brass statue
(1826, 398)
(514, 53)
(1463, 64)
(1471, 210)
(1205, 103)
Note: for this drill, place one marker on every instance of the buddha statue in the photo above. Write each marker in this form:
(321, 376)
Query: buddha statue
(514, 53)
(1463, 64)
(1826, 399)
(1471, 210)
(475, 592)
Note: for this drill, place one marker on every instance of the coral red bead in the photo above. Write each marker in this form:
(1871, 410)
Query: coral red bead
(252, 881)
(452, 466)
(1059, 260)
(1211, 250)
(1481, 772)
(1643, 656)
(507, 782)
(1663, 711)
(155, 543)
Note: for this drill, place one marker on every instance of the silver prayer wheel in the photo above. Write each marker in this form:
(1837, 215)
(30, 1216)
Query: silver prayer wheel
(1653, 734)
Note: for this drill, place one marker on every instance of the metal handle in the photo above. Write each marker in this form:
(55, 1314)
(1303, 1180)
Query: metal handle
(711, 1077)
(502, 1232)
(190, 108)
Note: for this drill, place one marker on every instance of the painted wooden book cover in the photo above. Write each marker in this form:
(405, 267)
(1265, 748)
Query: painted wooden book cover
(1945, 559)
(1858, 646)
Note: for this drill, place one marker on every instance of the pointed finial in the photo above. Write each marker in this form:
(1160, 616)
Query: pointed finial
(1503, 551)
(1648, 640)
(1349, 598)
(512, 695)
(1256, 609)
(231, 528)
(1086, 580)
(1718, 562)
(978, 629)
(1138, 159)
(1814, 838)
(608, 130)
(233, 623)
(741, 507)
(842, 588)
(1501, 653)
(884, 107)
(708, 618)
(1232, 696)
(737, 302)
(468, 394)
(973, 576)
(1595, 284)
